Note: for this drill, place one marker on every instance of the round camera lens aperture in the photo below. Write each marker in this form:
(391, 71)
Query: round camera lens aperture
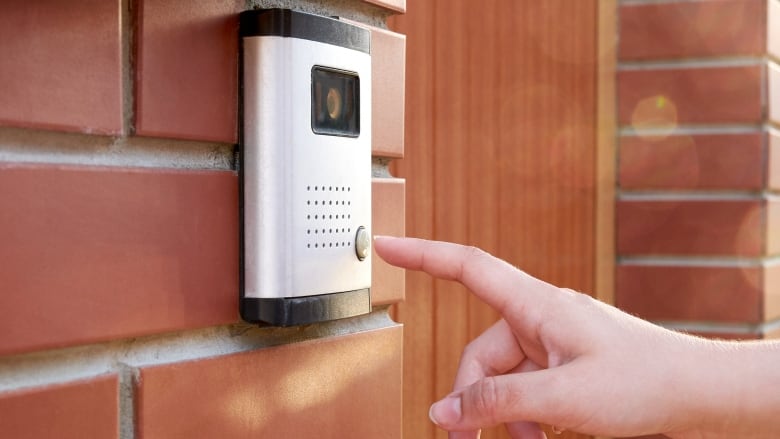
(334, 102)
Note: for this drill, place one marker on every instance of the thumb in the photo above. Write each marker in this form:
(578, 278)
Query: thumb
(499, 399)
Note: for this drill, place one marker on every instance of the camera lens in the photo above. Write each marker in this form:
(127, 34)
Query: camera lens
(334, 103)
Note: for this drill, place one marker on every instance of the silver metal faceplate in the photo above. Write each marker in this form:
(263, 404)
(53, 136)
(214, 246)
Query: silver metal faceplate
(305, 195)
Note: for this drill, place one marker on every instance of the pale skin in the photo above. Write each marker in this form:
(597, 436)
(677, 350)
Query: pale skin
(561, 358)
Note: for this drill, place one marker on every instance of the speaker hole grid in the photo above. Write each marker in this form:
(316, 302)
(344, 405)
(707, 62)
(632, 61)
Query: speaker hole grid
(337, 230)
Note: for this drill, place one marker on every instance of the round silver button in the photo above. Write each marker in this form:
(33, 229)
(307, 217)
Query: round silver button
(362, 243)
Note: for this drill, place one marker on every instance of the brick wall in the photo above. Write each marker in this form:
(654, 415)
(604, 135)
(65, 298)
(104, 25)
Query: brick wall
(119, 226)
(697, 210)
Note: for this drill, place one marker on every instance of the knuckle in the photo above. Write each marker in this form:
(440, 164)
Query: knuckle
(577, 294)
(572, 297)
(470, 255)
(569, 291)
(583, 300)
(485, 400)
(473, 252)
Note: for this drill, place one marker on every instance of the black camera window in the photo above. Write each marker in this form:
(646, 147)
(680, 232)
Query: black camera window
(335, 102)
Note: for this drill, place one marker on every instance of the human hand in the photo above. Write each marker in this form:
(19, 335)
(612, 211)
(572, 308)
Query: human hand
(558, 357)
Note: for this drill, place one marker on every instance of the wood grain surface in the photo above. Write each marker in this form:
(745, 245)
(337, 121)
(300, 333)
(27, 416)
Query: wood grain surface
(501, 118)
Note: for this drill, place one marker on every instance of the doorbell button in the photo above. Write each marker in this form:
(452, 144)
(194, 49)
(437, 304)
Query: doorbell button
(362, 243)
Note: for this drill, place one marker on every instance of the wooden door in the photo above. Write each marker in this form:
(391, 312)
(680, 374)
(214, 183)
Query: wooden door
(501, 125)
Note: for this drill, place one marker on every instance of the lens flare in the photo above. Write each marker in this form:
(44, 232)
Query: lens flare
(658, 113)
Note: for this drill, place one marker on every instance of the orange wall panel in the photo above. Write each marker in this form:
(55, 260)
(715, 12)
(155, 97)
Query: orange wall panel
(500, 153)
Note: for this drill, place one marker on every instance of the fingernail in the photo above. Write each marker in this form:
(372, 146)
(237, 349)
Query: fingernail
(446, 412)
(377, 237)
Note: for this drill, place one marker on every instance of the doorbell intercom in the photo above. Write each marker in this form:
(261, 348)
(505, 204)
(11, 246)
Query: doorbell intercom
(305, 168)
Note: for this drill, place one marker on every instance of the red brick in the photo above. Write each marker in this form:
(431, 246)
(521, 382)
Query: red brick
(692, 29)
(690, 227)
(388, 283)
(91, 254)
(773, 177)
(773, 71)
(388, 70)
(731, 161)
(771, 287)
(771, 334)
(773, 28)
(61, 65)
(187, 69)
(346, 387)
(393, 5)
(77, 410)
(772, 227)
(668, 97)
(721, 294)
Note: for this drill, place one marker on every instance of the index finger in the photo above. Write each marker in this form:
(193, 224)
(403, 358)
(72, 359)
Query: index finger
(493, 280)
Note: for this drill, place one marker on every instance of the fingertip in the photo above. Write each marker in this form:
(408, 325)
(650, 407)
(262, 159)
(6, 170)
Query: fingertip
(392, 249)
(379, 243)
(447, 412)
(384, 239)
(430, 415)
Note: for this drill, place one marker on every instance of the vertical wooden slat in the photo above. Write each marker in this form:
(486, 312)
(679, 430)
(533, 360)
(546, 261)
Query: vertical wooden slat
(606, 154)
(546, 149)
(416, 312)
(482, 98)
(606, 151)
(450, 184)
